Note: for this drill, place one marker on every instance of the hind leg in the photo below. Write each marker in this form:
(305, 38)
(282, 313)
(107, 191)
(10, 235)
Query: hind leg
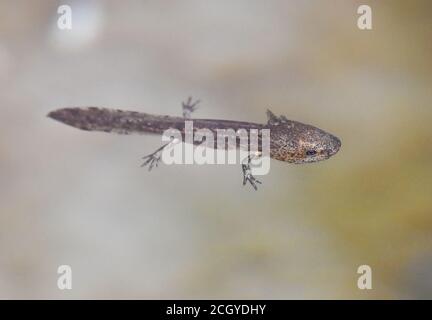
(247, 173)
(189, 107)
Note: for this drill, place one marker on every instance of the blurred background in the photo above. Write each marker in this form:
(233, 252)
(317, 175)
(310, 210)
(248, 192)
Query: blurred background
(81, 199)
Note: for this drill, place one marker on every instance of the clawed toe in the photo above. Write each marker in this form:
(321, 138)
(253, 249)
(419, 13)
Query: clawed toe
(248, 177)
(152, 161)
(189, 107)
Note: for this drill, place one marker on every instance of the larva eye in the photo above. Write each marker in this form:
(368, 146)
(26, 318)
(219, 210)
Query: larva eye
(310, 152)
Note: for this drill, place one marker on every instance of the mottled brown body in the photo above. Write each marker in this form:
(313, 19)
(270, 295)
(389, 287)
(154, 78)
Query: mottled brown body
(290, 141)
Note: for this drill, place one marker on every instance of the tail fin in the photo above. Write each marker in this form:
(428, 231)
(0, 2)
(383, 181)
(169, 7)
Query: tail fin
(106, 120)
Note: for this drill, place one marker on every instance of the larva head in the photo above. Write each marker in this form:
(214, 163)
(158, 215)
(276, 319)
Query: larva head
(296, 142)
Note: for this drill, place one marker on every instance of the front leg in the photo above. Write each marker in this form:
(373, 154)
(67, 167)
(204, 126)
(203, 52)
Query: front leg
(247, 173)
(152, 160)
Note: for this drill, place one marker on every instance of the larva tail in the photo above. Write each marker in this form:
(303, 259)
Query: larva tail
(103, 119)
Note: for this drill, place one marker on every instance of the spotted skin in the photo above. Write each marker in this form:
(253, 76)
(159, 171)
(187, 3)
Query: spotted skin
(290, 141)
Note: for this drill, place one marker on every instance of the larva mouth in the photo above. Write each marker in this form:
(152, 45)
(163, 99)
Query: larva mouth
(335, 146)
